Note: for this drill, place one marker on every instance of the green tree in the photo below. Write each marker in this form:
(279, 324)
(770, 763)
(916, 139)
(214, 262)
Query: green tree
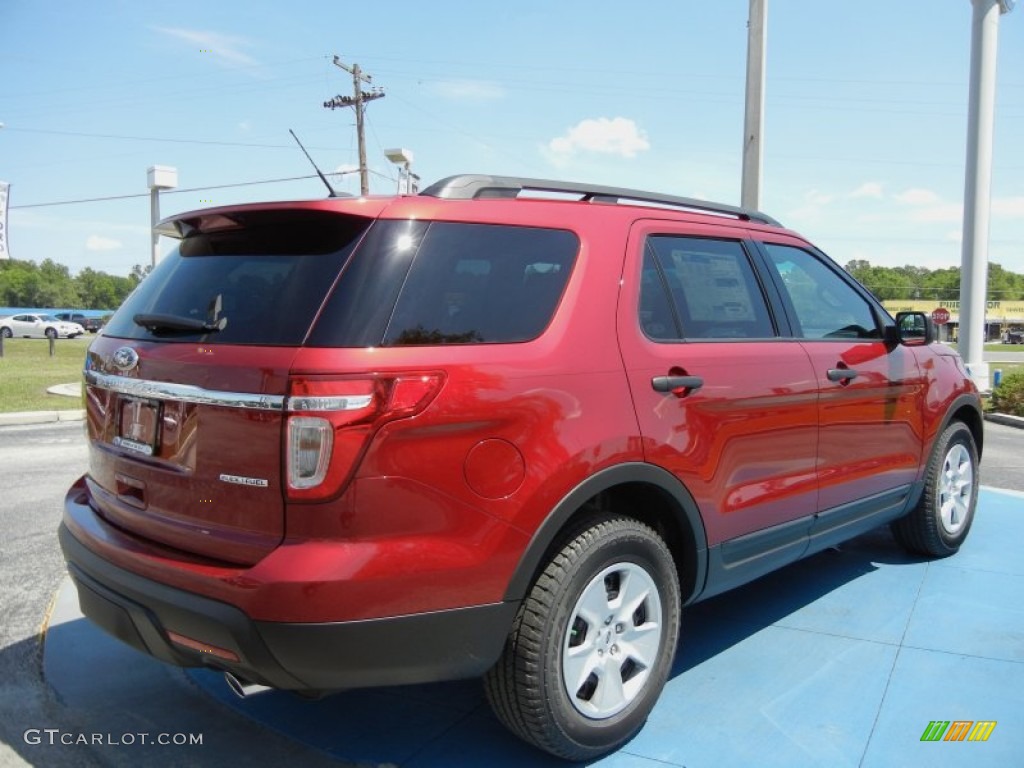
(942, 285)
(1004, 285)
(98, 289)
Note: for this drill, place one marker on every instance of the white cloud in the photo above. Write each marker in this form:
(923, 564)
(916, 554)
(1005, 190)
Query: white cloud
(871, 189)
(938, 213)
(1010, 207)
(245, 126)
(927, 207)
(227, 49)
(814, 197)
(467, 90)
(813, 204)
(616, 136)
(917, 196)
(100, 243)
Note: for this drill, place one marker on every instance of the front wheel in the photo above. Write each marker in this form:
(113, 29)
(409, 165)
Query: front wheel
(6, 332)
(592, 644)
(51, 333)
(940, 522)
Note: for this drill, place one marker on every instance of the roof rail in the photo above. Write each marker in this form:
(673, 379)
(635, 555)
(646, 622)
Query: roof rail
(475, 187)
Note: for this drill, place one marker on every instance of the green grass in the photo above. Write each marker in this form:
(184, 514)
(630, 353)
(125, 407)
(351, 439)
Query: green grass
(26, 370)
(1004, 348)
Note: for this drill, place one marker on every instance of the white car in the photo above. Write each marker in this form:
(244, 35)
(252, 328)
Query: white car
(39, 327)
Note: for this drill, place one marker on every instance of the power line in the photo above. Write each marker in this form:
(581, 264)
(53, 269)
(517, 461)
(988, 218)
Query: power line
(158, 138)
(165, 192)
(190, 189)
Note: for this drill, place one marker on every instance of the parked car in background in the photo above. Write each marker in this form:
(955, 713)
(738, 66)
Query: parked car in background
(1014, 337)
(91, 324)
(377, 441)
(33, 326)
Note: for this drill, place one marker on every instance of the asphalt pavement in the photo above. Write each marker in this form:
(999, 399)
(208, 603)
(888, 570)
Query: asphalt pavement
(842, 659)
(100, 690)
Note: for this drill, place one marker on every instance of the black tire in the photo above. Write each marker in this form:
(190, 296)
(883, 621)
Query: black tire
(6, 332)
(940, 522)
(51, 333)
(608, 560)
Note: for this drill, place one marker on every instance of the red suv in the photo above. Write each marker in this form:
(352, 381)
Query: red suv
(505, 427)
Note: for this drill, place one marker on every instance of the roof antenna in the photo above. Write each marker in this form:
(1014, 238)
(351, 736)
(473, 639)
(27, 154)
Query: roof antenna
(323, 178)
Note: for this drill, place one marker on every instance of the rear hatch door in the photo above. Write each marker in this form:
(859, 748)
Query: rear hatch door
(186, 387)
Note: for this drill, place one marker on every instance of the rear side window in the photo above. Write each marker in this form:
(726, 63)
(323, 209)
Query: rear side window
(701, 288)
(415, 284)
(265, 273)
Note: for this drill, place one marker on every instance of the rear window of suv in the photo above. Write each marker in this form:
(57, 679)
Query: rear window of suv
(416, 283)
(265, 273)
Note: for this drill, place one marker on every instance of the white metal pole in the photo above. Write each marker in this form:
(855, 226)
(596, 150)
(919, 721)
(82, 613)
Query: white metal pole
(978, 187)
(154, 219)
(757, 31)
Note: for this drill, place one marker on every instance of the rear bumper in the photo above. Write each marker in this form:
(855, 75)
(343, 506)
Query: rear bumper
(441, 645)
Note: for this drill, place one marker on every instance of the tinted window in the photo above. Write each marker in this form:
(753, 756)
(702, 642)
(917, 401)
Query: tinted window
(826, 306)
(412, 283)
(699, 288)
(269, 273)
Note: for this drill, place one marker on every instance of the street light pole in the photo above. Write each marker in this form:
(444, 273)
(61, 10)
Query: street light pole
(757, 31)
(978, 186)
(403, 159)
(158, 177)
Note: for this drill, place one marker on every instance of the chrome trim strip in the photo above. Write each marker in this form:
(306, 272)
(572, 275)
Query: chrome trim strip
(184, 393)
(189, 393)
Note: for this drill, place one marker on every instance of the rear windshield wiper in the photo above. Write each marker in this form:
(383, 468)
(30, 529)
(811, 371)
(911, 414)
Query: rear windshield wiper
(155, 323)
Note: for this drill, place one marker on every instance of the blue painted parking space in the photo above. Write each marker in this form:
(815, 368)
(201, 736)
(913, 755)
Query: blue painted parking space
(843, 659)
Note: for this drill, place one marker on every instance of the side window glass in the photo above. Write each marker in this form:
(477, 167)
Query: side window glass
(714, 290)
(482, 283)
(657, 318)
(826, 306)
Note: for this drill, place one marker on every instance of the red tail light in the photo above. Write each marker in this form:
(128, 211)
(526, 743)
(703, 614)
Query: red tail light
(331, 421)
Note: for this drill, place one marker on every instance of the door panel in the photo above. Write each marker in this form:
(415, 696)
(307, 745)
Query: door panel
(743, 442)
(870, 437)
(870, 426)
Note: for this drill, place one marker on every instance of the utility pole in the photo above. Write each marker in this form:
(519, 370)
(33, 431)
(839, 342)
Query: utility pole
(978, 186)
(357, 99)
(757, 26)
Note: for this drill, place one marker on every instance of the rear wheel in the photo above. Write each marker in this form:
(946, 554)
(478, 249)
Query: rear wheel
(940, 522)
(592, 645)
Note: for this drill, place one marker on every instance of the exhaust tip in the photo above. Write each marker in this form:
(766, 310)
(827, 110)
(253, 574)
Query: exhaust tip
(242, 688)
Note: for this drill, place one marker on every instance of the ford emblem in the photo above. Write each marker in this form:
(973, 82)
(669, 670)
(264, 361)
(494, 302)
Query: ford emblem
(125, 359)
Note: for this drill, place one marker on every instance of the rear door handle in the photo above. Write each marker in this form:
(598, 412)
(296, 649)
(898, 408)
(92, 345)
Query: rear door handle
(675, 383)
(842, 375)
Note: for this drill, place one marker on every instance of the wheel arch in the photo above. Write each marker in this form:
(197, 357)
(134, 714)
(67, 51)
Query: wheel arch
(967, 409)
(642, 491)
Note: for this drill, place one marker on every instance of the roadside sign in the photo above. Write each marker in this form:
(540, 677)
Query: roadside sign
(940, 316)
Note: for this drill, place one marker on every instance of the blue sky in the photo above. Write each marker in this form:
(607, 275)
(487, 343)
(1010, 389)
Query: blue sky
(865, 128)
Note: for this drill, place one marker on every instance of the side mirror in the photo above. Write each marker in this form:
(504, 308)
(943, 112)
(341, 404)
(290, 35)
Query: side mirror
(913, 329)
